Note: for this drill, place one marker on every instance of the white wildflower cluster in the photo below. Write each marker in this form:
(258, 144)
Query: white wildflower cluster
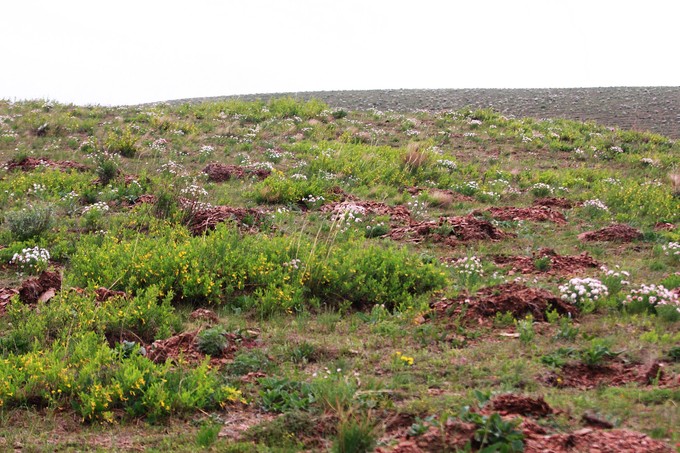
(206, 150)
(98, 206)
(469, 134)
(262, 166)
(621, 276)
(194, 192)
(417, 207)
(468, 188)
(616, 149)
(672, 249)
(312, 201)
(346, 214)
(612, 181)
(37, 189)
(32, 260)
(542, 188)
(412, 132)
(172, 168)
(468, 266)
(293, 264)
(652, 296)
(526, 139)
(579, 153)
(649, 162)
(273, 154)
(448, 164)
(298, 177)
(595, 204)
(159, 145)
(583, 291)
(475, 122)
(326, 175)
(178, 132)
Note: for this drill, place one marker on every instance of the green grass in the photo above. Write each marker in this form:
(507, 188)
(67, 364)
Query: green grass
(325, 328)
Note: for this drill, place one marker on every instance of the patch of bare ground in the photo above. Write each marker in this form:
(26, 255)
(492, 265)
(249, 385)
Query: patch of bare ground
(593, 441)
(443, 194)
(207, 219)
(613, 374)
(554, 202)
(185, 346)
(515, 298)
(558, 264)
(449, 230)
(31, 163)
(511, 403)
(40, 289)
(220, 172)
(614, 233)
(537, 213)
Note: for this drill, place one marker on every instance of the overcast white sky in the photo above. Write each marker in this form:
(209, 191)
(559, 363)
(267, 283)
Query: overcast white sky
(134, 51)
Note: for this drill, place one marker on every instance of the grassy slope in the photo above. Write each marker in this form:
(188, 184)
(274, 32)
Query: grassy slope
(304, 328)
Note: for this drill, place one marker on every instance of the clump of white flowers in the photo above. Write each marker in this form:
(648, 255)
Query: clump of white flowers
(595, 204)
(583, 292)
(672, 249)
(98, 206)
(347, 214)
(31, 260)
(446, 163)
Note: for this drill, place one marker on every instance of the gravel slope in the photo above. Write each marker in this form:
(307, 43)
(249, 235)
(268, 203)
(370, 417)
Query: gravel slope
(641, 108)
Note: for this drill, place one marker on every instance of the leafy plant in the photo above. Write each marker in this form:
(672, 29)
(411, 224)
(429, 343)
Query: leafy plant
(213, 341)
(30, 221)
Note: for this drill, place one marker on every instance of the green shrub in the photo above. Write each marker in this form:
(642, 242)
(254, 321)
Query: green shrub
(213, 341)
(355, 435)
(30, 221)
(123, 143)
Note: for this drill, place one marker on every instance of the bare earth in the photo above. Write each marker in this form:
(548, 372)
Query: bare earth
(641, 108)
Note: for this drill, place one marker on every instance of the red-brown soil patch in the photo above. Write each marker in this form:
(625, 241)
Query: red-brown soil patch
(31, 163)
(510, 403)
(103, 294)
(207, 219)
(511, 297)
(221, 172)
(399, 214)
(6, 295)
(617, 232)
(554, 202)
(41, 288)
(205, 314)
(449, 230)
(664, 226)
(593, 441)
(536, 213)
(559, 264)
(184, 345)
(613, 374)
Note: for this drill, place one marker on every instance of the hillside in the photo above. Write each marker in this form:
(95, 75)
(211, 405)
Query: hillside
(286, 275)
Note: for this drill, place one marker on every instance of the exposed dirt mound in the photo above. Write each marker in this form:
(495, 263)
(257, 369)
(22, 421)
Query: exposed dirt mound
(205, 314)
(449, 230)
(185, 345)
(614, 374)
(594, 440)
(220, 172)
(399, 214)
(207, 219)
(664, 226)
(31, 163)
(42, 288)
(515, 298)
(521, 405)
(553, 202)
(5, 295)
(559, 264)
(617, 233)
(537, 213)
(103, 294)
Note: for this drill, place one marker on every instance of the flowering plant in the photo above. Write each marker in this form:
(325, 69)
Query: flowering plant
(583, 292)
(672, 249)
(653, 299)
(32, 260)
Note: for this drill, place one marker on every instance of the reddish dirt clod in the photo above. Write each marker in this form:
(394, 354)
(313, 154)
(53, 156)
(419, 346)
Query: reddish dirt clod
(207, 219)
(33, 289)
(521, 405)
(613, 374)
(538, 213)
(103, 294)
(515, 298)
(31, 163)
(221, 172)
(553, 202)
(617, 232)
(559, 264)
(205, 314)
(185, 345)
(449, 230)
